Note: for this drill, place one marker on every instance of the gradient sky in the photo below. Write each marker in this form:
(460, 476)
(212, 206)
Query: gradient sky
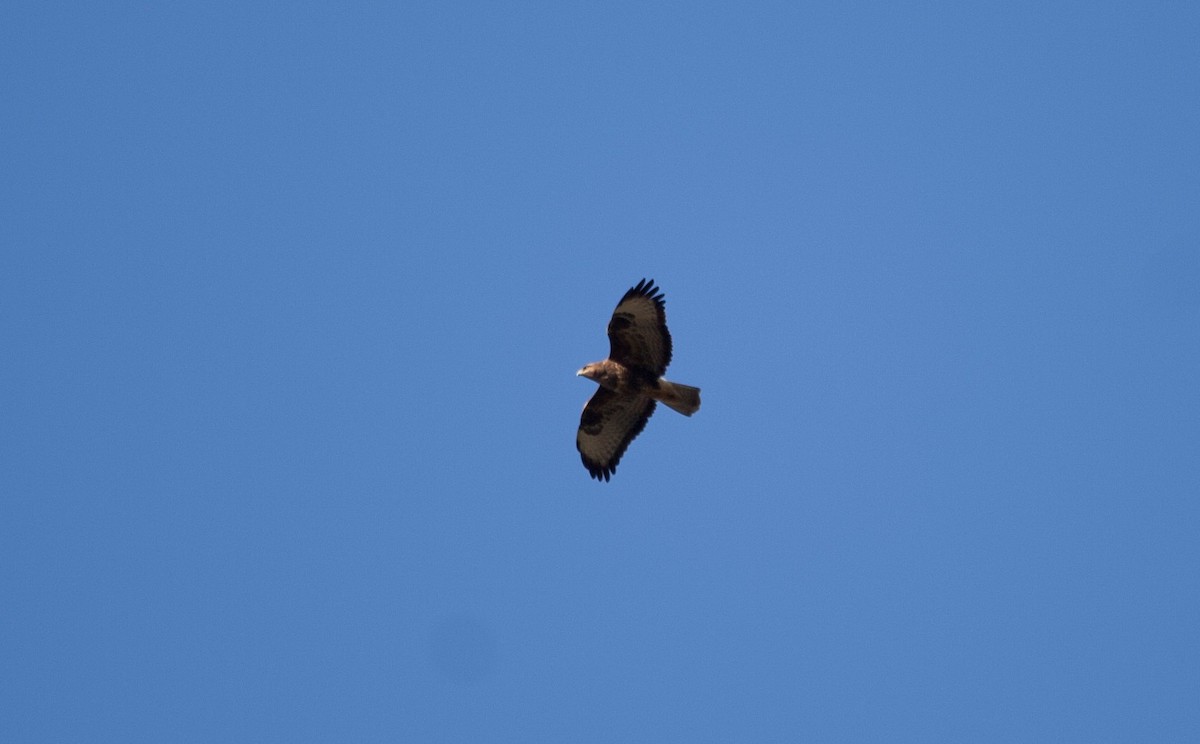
(292, 296)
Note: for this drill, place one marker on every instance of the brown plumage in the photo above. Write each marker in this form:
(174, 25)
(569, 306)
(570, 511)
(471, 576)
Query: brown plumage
(631, 381)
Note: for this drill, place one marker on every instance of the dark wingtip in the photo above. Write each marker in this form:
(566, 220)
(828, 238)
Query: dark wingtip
(645, 288)
(596, 470)
(600, 473)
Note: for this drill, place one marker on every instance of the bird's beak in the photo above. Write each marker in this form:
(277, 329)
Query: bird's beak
(579, 373)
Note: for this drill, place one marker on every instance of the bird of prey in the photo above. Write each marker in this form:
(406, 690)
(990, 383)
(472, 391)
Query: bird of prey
(631, 381)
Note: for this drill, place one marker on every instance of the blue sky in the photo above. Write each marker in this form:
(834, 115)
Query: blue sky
(293, 296)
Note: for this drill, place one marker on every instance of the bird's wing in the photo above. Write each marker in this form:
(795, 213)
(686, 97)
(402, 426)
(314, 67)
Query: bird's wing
(637, 334)
(610, 421)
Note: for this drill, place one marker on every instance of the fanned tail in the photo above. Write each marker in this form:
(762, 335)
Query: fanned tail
(682, 398)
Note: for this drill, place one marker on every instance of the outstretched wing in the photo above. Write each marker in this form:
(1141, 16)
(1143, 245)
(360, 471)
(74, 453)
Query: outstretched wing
(609, 423)
(637, 334)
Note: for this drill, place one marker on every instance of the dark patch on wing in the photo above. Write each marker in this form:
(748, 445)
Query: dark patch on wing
(591, 421)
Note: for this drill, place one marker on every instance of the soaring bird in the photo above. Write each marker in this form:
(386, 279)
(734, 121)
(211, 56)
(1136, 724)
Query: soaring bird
(631, 381)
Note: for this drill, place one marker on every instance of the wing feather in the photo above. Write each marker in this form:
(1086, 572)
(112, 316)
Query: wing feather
(609, 422)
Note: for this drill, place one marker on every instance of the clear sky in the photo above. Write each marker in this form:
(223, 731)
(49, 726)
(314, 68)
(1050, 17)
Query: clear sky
(292, 296)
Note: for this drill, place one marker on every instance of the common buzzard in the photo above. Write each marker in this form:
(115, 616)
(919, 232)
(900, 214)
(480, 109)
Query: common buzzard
(631, 380)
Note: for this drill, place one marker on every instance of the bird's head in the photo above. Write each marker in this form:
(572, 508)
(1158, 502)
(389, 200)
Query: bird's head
(590, 371)
(603, 373)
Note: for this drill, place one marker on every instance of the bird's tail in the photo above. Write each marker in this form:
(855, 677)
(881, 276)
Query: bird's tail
(682, 398)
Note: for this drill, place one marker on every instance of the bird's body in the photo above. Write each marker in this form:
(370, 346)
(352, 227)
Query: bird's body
(631, 381)
(622, 380)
